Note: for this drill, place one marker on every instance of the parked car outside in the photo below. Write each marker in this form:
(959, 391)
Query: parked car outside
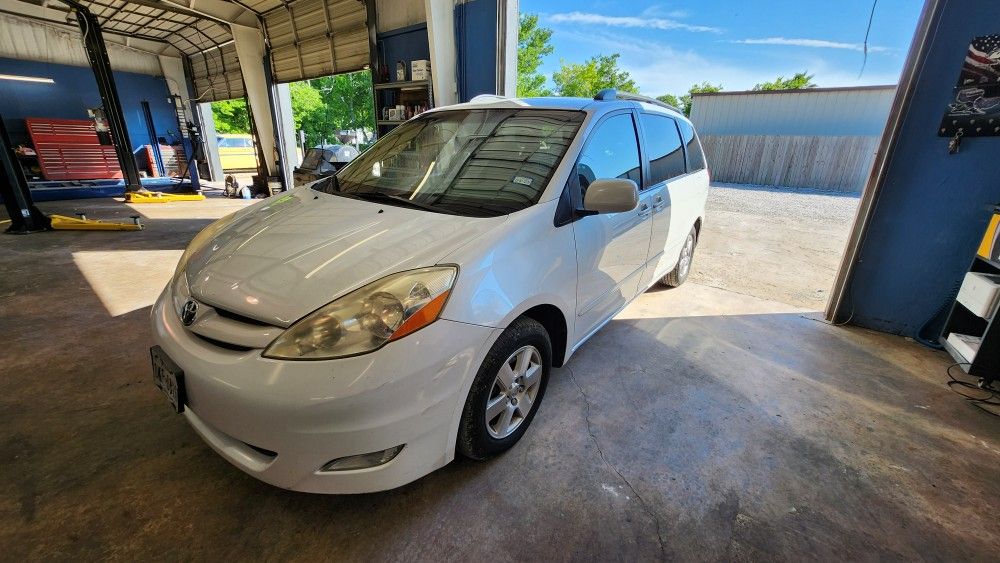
(322, 161)
(237, 152)
(357, 333)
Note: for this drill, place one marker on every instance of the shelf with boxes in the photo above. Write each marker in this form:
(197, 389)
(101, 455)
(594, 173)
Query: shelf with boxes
(971, 334)
(404, 97)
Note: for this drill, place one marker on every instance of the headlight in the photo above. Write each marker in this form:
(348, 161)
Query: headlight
(367, 318)
(201, 239)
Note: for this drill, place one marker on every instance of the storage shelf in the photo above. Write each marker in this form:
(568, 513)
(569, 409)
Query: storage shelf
(963, 363)
(403, 85)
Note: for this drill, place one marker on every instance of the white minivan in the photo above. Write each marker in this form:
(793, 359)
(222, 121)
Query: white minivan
(354, 334)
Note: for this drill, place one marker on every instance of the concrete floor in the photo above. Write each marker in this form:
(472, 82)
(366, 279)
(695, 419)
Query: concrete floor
(782, 244)
(701, 424)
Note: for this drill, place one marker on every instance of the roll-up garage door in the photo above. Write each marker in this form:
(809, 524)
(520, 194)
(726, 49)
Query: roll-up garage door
(314, 38)
(216, 74)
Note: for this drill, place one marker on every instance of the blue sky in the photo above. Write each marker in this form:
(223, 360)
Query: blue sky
(668, 46)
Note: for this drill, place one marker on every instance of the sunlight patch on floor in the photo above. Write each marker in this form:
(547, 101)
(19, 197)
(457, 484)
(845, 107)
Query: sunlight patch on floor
(694, 300)
(127, 280)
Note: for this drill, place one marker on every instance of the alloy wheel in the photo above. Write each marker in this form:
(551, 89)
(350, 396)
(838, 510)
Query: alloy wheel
(513, 392)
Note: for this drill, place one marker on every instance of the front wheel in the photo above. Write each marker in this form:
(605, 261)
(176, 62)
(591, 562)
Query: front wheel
(506, 391)
(680, 272)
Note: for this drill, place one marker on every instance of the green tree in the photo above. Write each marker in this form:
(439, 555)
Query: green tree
(586, 79)
(346, 104)
(797, 81)
(670, 99)
(532, 45)
(231, 116)
(305, 101)
(703, 88)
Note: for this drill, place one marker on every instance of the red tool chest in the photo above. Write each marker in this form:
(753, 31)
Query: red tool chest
(68, 149)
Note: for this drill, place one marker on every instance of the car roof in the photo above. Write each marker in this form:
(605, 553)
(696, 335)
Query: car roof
(590, 105)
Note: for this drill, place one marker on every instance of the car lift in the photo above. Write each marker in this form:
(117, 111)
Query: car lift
(24, 216)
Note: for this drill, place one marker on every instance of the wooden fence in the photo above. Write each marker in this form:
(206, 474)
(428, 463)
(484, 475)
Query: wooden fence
(829, 163)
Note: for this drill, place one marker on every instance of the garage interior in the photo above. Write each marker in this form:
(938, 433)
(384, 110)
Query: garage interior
(700, 424)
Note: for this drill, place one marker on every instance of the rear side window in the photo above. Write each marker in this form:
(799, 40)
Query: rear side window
(696, 160)
(611, 152)
(663, 143)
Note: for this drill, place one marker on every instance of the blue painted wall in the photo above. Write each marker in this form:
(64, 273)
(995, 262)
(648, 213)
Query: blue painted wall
(405, 44)
(475, 40)
(74, 91)
(934, 207)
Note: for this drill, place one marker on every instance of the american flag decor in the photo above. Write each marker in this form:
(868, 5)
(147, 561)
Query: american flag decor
(975, 109)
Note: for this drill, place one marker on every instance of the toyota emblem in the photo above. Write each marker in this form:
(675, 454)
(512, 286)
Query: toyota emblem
(189, 312)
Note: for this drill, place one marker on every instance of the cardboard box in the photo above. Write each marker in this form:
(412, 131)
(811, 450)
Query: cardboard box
(980, 293)
(420, 69)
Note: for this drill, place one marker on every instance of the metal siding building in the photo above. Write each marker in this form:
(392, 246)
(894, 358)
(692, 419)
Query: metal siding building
(817, 137)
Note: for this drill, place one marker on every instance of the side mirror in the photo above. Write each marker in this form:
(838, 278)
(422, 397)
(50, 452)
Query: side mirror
(611, 195)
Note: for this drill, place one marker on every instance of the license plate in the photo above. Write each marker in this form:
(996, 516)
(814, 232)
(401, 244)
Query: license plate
(168, 377)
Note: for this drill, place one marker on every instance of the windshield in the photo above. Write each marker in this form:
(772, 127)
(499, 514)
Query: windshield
(478, 163)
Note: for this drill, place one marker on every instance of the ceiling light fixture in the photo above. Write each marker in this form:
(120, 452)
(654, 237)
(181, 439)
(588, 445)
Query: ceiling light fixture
(20, 78)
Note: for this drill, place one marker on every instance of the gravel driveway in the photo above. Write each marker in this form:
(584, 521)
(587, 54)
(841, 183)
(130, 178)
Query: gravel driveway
(780, 244)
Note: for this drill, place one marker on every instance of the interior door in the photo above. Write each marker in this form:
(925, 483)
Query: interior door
(611, 247)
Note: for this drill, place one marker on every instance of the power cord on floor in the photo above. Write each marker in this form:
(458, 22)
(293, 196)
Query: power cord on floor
(985, 397)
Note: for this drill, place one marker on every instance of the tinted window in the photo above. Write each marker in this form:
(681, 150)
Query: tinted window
(480, 163)
(663, 143)
(696, 160)
(611, 152)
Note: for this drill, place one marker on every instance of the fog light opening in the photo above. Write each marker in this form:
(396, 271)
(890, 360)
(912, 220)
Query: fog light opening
(363, 461)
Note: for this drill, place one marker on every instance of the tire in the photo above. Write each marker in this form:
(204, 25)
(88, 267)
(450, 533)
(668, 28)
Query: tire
(679, 274)
(479, 438)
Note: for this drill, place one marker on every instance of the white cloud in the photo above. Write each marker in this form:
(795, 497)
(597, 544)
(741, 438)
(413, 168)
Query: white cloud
(658, 10)
(813, 43)
(628, 21)
(674, 71)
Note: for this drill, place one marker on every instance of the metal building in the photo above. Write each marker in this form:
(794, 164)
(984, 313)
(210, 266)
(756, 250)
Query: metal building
(818, 137)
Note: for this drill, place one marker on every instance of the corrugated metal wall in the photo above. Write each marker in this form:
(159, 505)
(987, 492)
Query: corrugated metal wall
(824, 112)
(816, 138)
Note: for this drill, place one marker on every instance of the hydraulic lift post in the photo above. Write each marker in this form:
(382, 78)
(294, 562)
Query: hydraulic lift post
(97, 52)
(24, 216)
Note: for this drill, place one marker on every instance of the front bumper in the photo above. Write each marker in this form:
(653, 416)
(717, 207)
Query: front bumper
(281, 421)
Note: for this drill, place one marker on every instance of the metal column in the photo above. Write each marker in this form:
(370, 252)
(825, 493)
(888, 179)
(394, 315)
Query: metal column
(97, 52)
(24, 216)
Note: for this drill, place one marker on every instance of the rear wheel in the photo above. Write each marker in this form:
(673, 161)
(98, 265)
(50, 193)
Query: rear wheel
(680, 272)
(507, 390)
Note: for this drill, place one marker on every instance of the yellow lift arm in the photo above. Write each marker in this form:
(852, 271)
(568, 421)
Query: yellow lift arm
(64, 223)
(159, 197)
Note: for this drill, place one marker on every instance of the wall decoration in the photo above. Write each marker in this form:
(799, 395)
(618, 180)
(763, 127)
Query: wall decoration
(975, 109)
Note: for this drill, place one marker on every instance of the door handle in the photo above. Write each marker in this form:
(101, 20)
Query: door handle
(658, 204)
(643, 210)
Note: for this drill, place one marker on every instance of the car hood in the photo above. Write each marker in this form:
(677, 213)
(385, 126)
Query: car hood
(294, 253)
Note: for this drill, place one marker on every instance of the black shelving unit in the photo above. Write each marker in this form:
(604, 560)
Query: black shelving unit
(405, 92)
(986, 362)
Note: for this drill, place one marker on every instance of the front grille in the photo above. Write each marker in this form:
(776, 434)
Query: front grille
(221, 344)
(239, 318)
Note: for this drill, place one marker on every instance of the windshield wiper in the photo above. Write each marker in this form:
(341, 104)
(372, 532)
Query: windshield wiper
(383, 197)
